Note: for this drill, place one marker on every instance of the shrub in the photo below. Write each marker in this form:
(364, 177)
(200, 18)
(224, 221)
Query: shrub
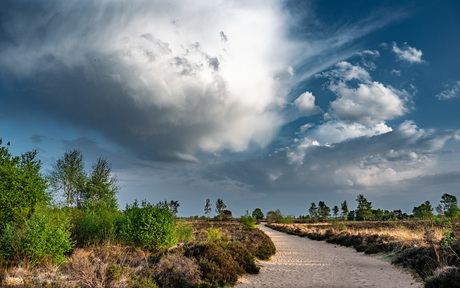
(213, 234)
(149, 226)
(93, 228)
(174, 270)
(45, 237)
(184, 231)
(248, 221)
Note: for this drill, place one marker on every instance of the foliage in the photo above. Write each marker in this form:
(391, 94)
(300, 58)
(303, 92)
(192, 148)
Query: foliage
(273, 216)
(220, 207)
(313, 211)
(174, 205)
(207, 207)
(258, 214)
(424, 211)
(68, 175)
(184, 231)
(89, 228)
(100, 189)
(450, 207)
(323, 211)
(248, 221)
(364, 210)
(175, 270)
(44, 238)
(213, 234)
(149, 226)
(335, 211)
(22, 186)
(344, 209)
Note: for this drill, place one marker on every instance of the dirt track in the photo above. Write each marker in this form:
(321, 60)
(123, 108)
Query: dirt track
(301, 262)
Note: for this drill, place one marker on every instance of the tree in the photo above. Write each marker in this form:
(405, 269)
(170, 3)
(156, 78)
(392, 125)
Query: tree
(364, 210)
(344, 208)
(100, 188)
(227, 215)
(323, 211)
(207, 207)
(313, 211)
(173, 205)
(335, 210)
(22, 186)
(424, 211)
(450, 207)
(273, 216)
(68, 175)
(351, 215)
(258, 214)
(220, 207)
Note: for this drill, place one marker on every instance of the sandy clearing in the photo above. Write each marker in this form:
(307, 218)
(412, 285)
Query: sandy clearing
(301, 262)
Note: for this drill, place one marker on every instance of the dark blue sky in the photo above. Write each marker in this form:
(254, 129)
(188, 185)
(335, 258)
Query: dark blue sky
(270, 104)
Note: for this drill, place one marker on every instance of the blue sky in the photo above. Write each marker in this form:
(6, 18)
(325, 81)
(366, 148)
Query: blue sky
(270, 104)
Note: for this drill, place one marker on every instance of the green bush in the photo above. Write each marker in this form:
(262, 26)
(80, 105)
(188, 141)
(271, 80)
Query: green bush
(89, 228)
(248, 221)
(44, 238)
(149, 226)
(213, 234)
(184, 231)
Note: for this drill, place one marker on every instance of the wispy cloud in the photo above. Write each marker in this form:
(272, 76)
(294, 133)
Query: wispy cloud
(407, 53)
(450, 93)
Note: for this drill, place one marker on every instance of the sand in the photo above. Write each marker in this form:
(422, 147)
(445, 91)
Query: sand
(301, 262)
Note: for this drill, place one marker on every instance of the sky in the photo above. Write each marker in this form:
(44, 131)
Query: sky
(264, 103)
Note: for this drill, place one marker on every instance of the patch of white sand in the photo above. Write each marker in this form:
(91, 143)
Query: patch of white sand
(301, 262)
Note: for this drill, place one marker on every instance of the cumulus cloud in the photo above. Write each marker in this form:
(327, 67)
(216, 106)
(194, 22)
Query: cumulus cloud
(305, 103)
(370, 104)
(151, 75)
(451, 93)
(407, 53)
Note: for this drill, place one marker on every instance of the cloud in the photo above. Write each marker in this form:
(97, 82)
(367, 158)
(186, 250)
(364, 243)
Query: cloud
(454, 92)
(407, 53)
(151, 75)
(370, 104)
(306, 104)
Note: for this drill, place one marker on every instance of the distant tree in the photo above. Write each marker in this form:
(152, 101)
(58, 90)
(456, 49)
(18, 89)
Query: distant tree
(227, 215)
(220, 207)
(450, 206)
(351, 215)
(364, 210)
(207, 207)
(69, 176)
(400, 215)
(258, 214)
(273, 216)
(22, 186)
(377, 214)
(440, 210)
(323, 211)
(424, 211)
(335, 211)
(173, 206)
(344, 209)
(101, 187)
(313, 211)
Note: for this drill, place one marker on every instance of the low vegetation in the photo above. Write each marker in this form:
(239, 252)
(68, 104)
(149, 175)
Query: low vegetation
(428, 248)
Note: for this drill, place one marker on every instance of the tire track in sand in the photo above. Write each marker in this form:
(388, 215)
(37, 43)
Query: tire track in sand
(301, 262)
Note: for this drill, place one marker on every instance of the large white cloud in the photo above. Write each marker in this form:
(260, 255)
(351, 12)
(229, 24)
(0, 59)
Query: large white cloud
(306, 104)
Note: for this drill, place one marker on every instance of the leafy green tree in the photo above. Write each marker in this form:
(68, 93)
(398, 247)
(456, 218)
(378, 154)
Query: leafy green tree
(68, 175)
(450, 206)
(258, 214)
(335, 211)
(351, 215)
(207, 207)
(313, 211)
(220, 207)
(323, 211)
(344, 209)
(273, 216)
(424, 211)
(364, 210)
(100, 188)
(22, 186)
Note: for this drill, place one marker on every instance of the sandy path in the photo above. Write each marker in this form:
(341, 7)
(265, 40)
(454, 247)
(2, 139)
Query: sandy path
(301, 262)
